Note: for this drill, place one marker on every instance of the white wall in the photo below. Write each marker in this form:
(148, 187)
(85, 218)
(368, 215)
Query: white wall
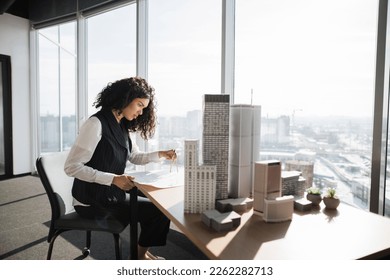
(14, 41)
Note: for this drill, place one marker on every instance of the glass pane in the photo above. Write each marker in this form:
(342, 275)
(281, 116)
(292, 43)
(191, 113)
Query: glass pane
(184, 64)
(50, 33)
(68, 84)
(68, 38)
(49, 95)
(57, 87)
(310, 64)
(111, 49)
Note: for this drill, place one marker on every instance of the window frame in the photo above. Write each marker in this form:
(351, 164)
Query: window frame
(381, 98)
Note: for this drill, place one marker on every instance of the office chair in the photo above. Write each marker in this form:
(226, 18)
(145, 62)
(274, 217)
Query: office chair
(58, 187)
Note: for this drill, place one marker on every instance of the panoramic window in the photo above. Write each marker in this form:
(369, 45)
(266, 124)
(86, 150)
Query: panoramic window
(57, 87)
(310, 65)
(184, 64)
(111, 49)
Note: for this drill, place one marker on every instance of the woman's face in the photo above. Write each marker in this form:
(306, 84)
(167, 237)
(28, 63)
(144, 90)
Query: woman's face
(135, 108)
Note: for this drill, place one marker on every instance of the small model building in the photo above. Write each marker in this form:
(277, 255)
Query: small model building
(293, 183)
(268, 199)
(302, 204)
(306, 167)
(221, 221)
(238, 205)
(279, 209)
(267, 183)
(199, 181)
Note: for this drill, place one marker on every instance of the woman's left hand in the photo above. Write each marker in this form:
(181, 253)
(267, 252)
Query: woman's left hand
(169, 155)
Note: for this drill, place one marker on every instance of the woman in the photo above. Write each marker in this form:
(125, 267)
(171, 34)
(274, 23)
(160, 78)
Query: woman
(101, 151)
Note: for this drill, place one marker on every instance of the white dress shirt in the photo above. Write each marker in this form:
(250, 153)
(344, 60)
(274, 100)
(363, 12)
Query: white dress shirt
(84, 147)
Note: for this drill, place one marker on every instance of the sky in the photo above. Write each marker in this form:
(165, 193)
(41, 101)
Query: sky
(313, 57)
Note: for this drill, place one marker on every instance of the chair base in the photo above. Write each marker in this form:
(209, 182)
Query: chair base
(86, 250)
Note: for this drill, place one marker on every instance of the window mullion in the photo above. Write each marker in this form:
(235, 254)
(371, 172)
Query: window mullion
(59, 90)
(34, 85)
(228, 35)
(379, 145)
(142, 38)
(81, 72)
(142, 50)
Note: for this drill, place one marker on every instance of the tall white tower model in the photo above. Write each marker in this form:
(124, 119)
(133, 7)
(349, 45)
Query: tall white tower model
(216, 138)
(244, 148)
(199, 181)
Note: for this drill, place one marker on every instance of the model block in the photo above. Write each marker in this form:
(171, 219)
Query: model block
(221, 221)
(293, 183)
(302, 205)
(267, 182)
(279, 209)
(306, 167)
(238, 205)
(208, 215)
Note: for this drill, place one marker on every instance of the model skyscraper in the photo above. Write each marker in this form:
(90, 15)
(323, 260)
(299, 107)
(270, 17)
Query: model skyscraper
(199, 181)
(216, 138)
(244, 148)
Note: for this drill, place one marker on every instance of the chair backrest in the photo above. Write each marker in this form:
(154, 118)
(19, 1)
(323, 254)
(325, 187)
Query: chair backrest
(57, 184)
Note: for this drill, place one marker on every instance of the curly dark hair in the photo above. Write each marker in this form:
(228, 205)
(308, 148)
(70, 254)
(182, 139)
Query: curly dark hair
(119, 94)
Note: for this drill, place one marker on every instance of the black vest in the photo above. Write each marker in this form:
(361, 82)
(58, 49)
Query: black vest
(110, 156)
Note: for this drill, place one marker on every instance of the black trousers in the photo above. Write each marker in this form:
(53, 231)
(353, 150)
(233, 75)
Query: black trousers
(154, 224)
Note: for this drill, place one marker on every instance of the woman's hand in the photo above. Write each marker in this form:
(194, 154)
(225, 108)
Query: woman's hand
(124, 182)
(169, 155)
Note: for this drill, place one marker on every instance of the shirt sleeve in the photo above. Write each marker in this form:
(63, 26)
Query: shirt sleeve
(82, 152)
(141, 158)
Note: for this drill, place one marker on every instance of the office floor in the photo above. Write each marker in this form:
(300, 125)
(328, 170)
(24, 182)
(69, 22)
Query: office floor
(25, 218)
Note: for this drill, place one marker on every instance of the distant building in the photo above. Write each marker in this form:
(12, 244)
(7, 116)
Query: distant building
(275, 130)
(244, 148)
(51, 127)
(199, 181)
(216, 138)
(194, 125)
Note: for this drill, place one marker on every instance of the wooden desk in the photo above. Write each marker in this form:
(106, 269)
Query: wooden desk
(347, 233)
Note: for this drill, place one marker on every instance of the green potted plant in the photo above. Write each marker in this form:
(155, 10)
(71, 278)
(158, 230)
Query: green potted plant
(314, 195)
(331, 200)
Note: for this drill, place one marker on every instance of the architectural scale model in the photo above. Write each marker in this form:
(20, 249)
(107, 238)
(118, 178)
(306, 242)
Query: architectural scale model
(268, 200)
(267, 183)
(221, 221)
(279, 209)
(293, 183)
(244, 148)
(306, 167)
(238, 205)
(199, 181)
(216, 138)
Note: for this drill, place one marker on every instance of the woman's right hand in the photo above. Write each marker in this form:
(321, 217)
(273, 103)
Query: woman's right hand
(124, 182)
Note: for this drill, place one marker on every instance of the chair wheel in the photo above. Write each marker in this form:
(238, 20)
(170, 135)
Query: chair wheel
(86, 251)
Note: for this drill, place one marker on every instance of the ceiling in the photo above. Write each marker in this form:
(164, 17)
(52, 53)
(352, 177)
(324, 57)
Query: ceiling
(18, 8)
(38, 11)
